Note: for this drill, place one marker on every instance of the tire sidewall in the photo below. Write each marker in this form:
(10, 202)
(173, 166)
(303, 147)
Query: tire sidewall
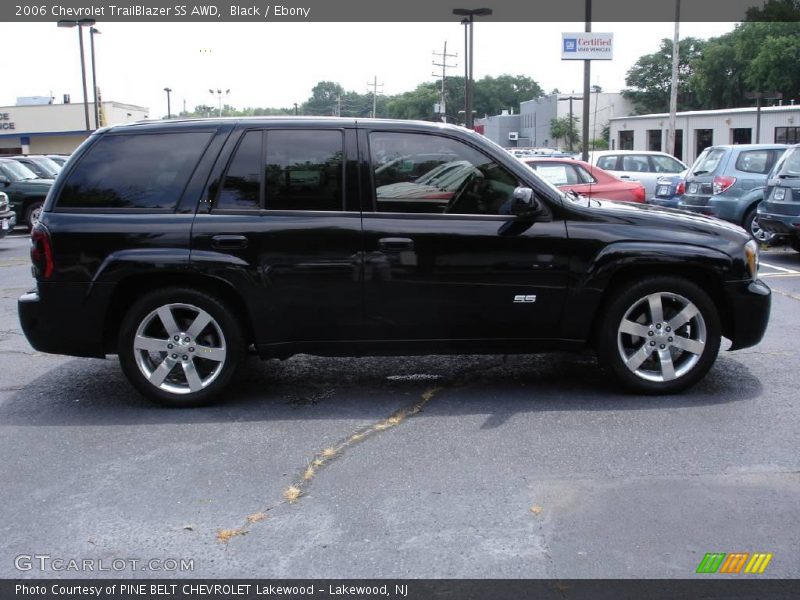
(614, 311)
(231, 330)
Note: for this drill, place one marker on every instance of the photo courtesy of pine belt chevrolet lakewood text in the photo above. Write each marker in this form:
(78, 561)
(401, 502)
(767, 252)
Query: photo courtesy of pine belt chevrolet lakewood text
(182, 245)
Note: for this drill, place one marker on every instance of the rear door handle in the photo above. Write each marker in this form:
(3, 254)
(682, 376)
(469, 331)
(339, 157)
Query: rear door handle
(395, 243)
(229, 242)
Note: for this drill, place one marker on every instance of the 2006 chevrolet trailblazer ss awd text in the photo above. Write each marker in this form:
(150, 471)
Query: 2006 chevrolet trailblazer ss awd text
(180, 244)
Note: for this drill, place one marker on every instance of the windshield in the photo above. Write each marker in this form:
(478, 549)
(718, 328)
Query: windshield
(789, 163)
(17, 171)
(48, 164)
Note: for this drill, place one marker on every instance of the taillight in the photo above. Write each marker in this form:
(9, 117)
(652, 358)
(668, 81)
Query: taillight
(681, 189)
(638, 194)
(722, 183)
(41, 251)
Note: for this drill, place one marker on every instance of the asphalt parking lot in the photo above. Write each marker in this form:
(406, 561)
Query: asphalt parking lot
(443, 467)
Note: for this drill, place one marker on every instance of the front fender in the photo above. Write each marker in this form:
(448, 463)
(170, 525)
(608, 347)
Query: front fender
(628, 260)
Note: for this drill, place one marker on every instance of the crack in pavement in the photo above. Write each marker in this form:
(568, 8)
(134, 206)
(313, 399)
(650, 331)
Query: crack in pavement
(325, 457)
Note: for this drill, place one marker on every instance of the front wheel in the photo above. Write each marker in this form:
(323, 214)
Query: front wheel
(751, 226)
(660, 335)
(180, 347)
(33, 213)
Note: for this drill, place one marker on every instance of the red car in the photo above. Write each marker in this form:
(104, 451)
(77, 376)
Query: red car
(585, 179)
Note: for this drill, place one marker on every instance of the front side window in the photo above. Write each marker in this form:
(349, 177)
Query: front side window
(666, 164)
(141, 171)
(458, 178)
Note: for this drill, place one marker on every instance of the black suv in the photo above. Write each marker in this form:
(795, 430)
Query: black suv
(178, 245)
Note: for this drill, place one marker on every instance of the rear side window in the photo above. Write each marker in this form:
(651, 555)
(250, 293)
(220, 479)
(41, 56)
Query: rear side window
(666, 164)
(755, 161)
(634, 162)
(609, 163)
(142, 171)
(241, 188)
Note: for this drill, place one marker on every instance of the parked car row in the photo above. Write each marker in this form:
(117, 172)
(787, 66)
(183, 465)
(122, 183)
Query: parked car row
(26, 181)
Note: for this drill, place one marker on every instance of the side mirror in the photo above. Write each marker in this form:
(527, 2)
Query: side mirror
(524, 203)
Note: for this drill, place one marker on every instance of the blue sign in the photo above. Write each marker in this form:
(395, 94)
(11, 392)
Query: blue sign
(570, 45)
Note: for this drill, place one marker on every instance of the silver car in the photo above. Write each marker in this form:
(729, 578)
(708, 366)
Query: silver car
(644, 166)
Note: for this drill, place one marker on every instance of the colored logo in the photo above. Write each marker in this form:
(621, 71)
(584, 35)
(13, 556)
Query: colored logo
(719, 562)
(570, 44)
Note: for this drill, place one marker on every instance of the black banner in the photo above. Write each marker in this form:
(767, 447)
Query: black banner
(226, 11)
(399, 589)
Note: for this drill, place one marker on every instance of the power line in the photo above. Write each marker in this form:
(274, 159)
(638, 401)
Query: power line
(443, 57)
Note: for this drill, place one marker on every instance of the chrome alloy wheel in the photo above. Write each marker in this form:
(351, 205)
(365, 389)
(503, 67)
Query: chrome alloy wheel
(179, 348)
(661, 337)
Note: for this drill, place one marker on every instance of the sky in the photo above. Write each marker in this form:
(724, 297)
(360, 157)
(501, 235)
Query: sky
(276, 64)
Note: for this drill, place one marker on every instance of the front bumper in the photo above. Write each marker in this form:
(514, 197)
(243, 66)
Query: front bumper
(8, 221)
(749, 303)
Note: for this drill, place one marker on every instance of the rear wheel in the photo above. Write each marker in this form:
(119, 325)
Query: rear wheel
(794, 242)
(180, 347)
(750, 224)
(659, 335)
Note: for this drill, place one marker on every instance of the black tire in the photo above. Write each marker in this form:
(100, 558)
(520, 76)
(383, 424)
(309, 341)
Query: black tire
(794, 243)
(192, 369)
(750, 224)
(32, 213)
(619, 348)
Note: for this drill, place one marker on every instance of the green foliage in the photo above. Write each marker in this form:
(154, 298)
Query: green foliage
(560, 129)
(650, 78)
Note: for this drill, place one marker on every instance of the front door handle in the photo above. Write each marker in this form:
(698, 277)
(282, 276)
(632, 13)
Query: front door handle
(229, 242)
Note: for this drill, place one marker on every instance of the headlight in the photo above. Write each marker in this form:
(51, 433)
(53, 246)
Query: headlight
(751, 257)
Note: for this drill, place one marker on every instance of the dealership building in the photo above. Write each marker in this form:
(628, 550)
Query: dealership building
(696, 130)
(28, 128)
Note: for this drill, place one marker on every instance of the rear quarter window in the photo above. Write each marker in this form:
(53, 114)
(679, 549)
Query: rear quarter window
(141, 171)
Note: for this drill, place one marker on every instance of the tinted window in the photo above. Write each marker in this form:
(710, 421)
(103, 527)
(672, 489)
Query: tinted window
(241, 188)
(460, 180)
(304, 170)
(134, 171)
(754, 161)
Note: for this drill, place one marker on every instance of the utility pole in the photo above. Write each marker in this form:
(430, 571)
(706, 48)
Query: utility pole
(374, 85)
(673, 92)
(444, 56)
(587, 69)
(571, 129)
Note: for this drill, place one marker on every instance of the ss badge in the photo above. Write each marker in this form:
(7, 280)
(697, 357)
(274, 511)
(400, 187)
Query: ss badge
(524, 299)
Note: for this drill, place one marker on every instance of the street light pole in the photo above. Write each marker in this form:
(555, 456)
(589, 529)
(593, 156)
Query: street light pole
(169, 108)
(81, 24)
(469, 15)
(94, 31)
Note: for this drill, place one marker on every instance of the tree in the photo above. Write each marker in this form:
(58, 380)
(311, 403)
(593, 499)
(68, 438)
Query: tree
(650, 78)
(324, 99)
(560, 129)
(493, 94)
